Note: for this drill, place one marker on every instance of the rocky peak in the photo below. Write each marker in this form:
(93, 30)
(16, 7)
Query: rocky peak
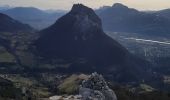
(85, 19)
(80, 8)
(96, 88)
(81, 23)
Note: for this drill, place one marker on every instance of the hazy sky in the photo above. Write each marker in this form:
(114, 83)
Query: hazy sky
(66, 4)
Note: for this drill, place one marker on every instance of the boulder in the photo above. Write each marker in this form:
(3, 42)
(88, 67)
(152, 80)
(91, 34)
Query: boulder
(96, 88)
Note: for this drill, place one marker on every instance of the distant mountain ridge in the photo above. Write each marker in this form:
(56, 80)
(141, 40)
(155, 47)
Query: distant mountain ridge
(7, 24)
(164, 13)
(5, 7)
(120, 18)
(35, 17)
(152, 23)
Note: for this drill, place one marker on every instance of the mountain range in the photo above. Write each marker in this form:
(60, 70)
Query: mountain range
(120, 18)
(35, 17)
(164, 13)
(5, 7)
(116, 18)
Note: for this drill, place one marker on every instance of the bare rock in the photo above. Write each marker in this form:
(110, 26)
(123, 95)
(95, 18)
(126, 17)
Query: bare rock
(95, 88)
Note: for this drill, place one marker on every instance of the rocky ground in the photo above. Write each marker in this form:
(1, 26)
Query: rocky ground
(92, 88)
(48, 86)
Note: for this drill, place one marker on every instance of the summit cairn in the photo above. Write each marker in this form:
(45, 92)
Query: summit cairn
(96, 88)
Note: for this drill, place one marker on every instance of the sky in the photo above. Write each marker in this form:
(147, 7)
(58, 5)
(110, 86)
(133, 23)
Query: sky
(67, 4)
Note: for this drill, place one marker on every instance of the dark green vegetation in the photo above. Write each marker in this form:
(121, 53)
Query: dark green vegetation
(15, 38)
(45, 85)
(124, 93)
(8, 90)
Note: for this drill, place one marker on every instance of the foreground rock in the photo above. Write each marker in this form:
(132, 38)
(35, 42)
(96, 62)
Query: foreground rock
(71, 97)
(95, 88)
(92, 88)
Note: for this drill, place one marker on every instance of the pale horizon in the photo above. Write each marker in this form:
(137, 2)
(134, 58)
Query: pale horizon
(67, 4)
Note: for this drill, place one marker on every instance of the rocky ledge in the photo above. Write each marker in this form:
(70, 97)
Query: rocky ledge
(95, 88)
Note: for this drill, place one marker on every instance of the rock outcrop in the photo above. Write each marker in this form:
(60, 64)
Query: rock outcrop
(95, 88)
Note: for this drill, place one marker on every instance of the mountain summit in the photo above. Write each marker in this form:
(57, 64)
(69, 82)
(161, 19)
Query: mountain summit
(81, 20)
(86, 21)
(119, 6)
(79, 36)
